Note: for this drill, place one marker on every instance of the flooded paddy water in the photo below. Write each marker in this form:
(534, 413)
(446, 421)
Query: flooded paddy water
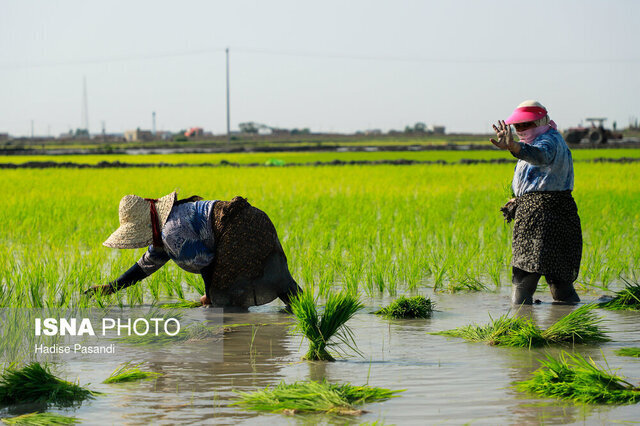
(446, 380)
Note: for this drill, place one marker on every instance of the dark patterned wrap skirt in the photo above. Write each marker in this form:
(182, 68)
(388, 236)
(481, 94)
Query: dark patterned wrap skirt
(250, 267)
(547, 236)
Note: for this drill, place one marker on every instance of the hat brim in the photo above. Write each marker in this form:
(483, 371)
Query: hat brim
(130, 235)
(525, 114)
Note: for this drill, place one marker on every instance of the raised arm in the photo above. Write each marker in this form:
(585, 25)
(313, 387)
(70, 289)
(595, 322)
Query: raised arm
(152, 260)
(539, 153)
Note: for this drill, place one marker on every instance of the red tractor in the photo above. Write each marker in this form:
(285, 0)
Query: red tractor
(595, 134)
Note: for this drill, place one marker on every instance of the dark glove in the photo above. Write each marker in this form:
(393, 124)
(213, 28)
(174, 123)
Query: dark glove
(100, 289)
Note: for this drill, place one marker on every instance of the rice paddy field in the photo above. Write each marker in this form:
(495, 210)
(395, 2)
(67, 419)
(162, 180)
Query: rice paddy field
(376, 231)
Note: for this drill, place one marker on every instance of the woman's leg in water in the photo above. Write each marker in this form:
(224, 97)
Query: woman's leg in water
(524, 285)
(562, 291)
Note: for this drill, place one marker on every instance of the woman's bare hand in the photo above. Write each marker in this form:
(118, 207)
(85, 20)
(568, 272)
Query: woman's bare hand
(505, 137)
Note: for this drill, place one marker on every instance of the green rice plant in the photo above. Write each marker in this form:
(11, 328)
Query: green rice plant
(408, 307)
(181, 304)
(36, 383)
(313, 397)
(329, 329)
(503, 331)
(397, 227)
(576, 378)
(128, 372)
(40, 419)
(626, 299)
(633, 352)
(193, 332)
(580, 326)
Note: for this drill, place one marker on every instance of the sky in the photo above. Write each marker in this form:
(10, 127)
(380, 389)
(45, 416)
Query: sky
(331, 66)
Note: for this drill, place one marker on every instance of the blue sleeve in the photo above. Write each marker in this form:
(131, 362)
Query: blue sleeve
(541, 152)
(152, 260)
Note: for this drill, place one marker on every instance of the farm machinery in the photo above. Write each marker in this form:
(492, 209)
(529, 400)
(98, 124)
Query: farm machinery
(594, 134)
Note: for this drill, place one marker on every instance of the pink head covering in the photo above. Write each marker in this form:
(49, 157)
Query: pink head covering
(527, 111)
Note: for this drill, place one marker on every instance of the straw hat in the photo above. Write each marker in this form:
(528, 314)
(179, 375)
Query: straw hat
(135, 221)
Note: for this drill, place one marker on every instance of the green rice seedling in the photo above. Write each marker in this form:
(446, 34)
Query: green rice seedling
(326, 330)
(576, 378)
(313, 397)
(408, 307)
(626, 299)
(192, 332)
(181, 304)
(466, 284)
(579, 326)
(634, 352)
(40, 419)
(36, 383)
(503, 331)
(128, 372)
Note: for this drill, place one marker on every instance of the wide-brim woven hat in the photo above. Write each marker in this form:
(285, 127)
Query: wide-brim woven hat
(135, 229)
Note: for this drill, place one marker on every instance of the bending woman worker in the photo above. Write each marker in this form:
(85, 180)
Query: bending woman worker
(547, 236)
(233, 245)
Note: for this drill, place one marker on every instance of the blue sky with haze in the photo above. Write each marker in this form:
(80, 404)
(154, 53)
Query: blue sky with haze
(332, 66)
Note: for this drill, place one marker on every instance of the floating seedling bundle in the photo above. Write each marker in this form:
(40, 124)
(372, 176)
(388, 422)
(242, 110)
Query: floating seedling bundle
(408, 307)
(40, 419)
(633, 352)
(576, 378)
(36, 383)
(626, 299)
(128, 372)
(314, 397)
(326, 330)
(579, 326)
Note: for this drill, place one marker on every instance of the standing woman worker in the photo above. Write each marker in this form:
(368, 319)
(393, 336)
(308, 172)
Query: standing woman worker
(547, 236)
(233, 245)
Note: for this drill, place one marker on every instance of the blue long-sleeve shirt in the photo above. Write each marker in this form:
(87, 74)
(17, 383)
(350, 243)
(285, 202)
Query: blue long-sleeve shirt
(187, 238)
(543, 165)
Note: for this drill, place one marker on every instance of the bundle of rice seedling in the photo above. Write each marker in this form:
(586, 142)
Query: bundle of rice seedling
(128, 372)
(408, 307)
(313, 397)
(634, 352)
(579, 326)
(573, 377)
(503, 331)
(321, 329)
(40, 419)
(181, 304)
(35, 383)
(192, 332)
(626, 299)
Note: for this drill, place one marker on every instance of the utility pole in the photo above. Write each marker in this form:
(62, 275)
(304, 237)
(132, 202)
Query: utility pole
(228, 118)
(153, 118)
(85, 106)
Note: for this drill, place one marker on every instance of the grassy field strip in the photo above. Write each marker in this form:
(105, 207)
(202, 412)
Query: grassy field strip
(307, 157)
(361, 228)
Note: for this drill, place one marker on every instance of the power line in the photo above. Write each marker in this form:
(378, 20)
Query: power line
(329, 55)
(113, 59)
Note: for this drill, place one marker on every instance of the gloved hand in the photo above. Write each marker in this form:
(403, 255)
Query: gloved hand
(100, 289)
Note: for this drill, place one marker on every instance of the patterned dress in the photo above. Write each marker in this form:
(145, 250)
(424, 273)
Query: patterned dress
(547, 234)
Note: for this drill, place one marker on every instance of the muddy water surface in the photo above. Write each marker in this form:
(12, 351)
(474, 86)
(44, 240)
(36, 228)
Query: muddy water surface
(446, 380)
